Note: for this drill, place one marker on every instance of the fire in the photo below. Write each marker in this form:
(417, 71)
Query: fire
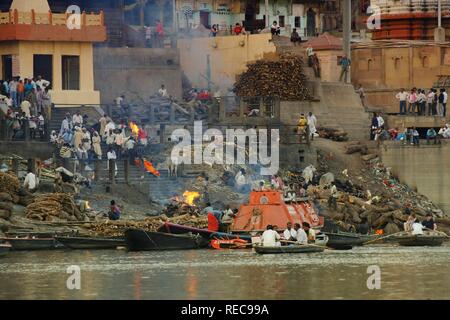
(88, 207)
(134, 128)
(190, 196)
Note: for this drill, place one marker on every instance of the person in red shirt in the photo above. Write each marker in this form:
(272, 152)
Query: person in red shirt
(213, 223)
(238, 29)
(160, 33)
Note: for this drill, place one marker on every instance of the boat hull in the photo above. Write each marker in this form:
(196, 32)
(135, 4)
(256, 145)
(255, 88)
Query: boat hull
(346, 240)
(420, 241)
(206, 234)
(140, 240)
(4, 249)
(87, 243)
(24, 244)
(288, 249)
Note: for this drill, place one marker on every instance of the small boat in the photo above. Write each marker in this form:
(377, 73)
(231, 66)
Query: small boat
(428, 238)
(28, 243)
(289, 249)
(141, 240)
(230, 244)
(205, 233)
(4, 249)
(347, 240)
(91, 243)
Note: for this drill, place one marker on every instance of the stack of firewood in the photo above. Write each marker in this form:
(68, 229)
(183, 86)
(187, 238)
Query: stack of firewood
(280, 78)
(47, 207)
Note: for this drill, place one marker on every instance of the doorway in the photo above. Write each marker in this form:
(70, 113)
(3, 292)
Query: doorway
(7, 67)
(43, 66)
(204, 19)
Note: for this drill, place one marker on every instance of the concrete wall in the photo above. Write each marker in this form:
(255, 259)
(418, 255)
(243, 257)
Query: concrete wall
(228, 57)
(425, 168)
(136, 72)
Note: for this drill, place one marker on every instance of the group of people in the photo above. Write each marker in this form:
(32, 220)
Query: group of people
(78, 139)
(421, 103)
(28, 106)
(411, 135)
(154, 36)
(301, 234)
(415, 227)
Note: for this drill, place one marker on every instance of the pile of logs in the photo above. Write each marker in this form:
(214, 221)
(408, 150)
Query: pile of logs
(356, 146)
(9, 184)
(6, 205)
(332, 134)
(47, 207)
(179, 209)
(280, 78)
(117, 228)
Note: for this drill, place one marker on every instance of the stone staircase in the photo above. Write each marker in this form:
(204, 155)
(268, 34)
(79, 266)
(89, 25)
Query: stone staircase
(162, 188)
(58, 114)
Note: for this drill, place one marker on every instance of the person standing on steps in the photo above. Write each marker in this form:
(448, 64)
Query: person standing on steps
(345, 66)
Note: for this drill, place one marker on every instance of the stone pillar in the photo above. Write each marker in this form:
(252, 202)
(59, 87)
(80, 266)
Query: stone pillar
(347, 31)
(97, 164)
(266, 12)
(112, 171)
(439, 32)
(126, 170)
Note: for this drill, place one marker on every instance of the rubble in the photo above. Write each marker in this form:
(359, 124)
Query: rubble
(281, 77)
(332, 134)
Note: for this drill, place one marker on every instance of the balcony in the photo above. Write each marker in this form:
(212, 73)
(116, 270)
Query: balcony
(32, 26)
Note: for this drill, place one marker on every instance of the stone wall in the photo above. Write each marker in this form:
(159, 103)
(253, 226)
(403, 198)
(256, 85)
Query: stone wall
(425, 168)
(39, 150)
(136, 72)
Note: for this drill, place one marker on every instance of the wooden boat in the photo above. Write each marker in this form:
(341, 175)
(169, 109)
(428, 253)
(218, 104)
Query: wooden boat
(4, 249)
(23, 244)
(205, 233)
(428, 238)
(230, 244)
(347, 240)
(289, 249)
(91, 243)
(141, 240)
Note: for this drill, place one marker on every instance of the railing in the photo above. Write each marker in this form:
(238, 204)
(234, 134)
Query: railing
(55, 19)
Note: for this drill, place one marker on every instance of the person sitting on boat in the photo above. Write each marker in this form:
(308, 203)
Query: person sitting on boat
(207, 209)
(302, 237)
(409, 222)
(429, 223)
(417, 228)
(114, 213)
(227, 218)
(309, 232)
(270, 238)
(290, 234)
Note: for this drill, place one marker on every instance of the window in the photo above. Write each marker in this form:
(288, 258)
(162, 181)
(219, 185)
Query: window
(7, 67)
(369, 64)
(70, 72)
(281, 21)
(425, 63)
(297, 23)
(43, 66)
(397, 63)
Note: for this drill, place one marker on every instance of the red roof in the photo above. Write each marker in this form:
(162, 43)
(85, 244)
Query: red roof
(325, 42)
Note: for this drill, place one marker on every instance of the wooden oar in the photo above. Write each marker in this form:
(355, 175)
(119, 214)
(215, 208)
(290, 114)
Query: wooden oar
(309, 244)
(385, 237)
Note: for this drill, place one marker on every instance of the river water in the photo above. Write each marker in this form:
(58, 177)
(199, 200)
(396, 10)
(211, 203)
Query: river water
(406, 273)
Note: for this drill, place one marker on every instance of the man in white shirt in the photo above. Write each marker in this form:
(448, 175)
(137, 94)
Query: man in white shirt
(42, 83)
(310, 54)
(312, 123)
(380, 121)
(269, 237)
(430, 102)
(111, 155)
(13, 91)
(163, 92)
(417, 228)
(402, 96)
(77, 119)
(290, 234)
(302, 237)
(30, 182)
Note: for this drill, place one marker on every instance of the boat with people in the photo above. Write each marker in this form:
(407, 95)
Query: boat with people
(91, 243)
(428, 238)
(4, 249)
(141, 240)
(293, 248)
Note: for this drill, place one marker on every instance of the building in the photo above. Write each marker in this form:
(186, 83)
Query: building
(310, 17)
(34, 41)
(415, 19)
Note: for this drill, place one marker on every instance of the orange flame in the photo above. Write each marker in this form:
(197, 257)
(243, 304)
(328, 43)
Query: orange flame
(190, 196)
(134, 128)
(150, 168)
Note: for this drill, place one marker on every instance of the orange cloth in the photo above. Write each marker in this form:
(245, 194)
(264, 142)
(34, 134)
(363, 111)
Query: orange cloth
(20, 87)
(213, 224)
